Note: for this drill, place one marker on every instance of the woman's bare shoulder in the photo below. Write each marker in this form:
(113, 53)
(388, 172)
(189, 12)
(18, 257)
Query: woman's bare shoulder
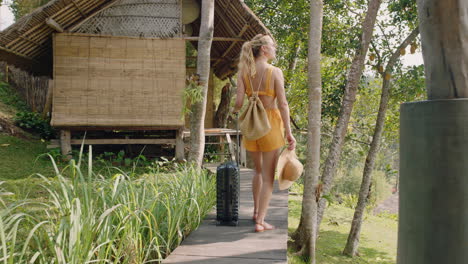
(277, 72)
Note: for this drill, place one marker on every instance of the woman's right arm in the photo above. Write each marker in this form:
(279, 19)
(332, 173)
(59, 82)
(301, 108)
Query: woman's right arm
(240, 93)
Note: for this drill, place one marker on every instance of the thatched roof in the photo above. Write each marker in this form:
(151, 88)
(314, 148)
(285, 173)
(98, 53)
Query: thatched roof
(28, 43)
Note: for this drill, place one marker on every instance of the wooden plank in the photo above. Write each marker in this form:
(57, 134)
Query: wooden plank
(128, 128)
(232, 242)
(123, 141)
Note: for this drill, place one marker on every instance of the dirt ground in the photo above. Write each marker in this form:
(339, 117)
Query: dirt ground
(390, 205)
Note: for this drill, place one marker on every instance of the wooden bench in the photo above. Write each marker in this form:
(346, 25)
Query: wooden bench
(224, 135)
(65, 141)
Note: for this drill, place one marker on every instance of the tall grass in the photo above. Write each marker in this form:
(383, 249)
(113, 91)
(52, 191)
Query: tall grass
(91, 218)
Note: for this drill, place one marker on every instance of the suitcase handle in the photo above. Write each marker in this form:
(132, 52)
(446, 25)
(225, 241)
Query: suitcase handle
(238, 140)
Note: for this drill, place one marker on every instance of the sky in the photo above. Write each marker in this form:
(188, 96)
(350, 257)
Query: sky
(7, 18)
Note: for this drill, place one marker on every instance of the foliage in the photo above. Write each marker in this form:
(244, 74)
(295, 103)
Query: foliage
(19, 8)
(95, 218)
(377, 243)
(11, 97)
(33, 122)
(192, 94)
(350, 200)
(348, 182)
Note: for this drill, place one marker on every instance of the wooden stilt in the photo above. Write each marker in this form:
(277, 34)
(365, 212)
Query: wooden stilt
(179, 146)
(65, 142)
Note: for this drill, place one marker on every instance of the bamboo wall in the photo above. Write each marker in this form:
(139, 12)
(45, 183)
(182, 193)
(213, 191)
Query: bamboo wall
(117, 81)
(33, 89)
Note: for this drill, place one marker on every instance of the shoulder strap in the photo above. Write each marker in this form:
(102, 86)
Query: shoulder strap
(248, 87)
(259, 84)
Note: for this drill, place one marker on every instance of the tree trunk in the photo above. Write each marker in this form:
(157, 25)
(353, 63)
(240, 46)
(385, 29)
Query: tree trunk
(349, 98)
(352, 244)
(223, 108)
(312, 173)
(197, 126)
(444, 30)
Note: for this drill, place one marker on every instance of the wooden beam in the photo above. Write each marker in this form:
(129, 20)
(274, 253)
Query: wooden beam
(215, 39)
(17, 54)
(246, 26)
(222, 16)
(32, 29)
(195, 57)
(123, 141)
(120, 128)
(78, 8)
(29, 40)
(53, 24)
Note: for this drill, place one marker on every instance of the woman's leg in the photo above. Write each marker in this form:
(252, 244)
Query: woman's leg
(256, 180)
(269, 159)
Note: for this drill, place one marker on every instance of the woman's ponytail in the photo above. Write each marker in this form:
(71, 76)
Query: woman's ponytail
(251, 50)
(246, 60)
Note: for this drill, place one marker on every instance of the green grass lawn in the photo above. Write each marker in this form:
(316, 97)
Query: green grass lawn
(377, 242)
(20, 158)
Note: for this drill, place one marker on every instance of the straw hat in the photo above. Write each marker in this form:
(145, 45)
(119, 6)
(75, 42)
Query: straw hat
(289, 169)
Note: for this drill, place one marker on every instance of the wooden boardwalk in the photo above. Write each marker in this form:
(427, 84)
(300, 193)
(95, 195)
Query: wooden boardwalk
(211, 244)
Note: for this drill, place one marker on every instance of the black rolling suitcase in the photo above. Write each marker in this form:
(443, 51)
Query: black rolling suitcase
(227, 191)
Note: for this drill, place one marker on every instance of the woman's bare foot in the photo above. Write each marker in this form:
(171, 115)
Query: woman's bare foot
(263, 226)
(259, 228)
(254, 217)
(267, 226)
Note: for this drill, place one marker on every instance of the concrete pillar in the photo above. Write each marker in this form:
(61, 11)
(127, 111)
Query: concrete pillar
(433, 216)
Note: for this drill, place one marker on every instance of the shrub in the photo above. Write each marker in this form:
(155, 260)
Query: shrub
(89, 218)
(349, 183)
(33, 122)
(11, 97)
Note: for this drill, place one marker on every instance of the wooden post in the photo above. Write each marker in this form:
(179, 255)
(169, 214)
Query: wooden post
(179, 147)
(48, 103)
(65, 142)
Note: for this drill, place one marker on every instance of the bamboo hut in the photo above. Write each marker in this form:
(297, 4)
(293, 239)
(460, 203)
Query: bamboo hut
(121, 64)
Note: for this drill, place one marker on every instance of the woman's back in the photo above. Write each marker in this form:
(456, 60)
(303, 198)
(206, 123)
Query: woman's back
(264, 83)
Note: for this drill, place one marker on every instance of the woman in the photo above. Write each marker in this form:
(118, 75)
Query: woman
(255, 73)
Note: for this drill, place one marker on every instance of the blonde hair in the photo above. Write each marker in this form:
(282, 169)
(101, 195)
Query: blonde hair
(250, 51)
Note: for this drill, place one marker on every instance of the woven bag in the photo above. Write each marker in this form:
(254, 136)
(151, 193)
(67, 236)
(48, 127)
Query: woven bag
(254, 122)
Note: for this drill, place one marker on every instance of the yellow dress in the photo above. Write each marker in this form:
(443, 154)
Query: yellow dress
(275, 138)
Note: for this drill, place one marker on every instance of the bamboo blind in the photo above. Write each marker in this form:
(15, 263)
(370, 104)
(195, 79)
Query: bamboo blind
(117, 81)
